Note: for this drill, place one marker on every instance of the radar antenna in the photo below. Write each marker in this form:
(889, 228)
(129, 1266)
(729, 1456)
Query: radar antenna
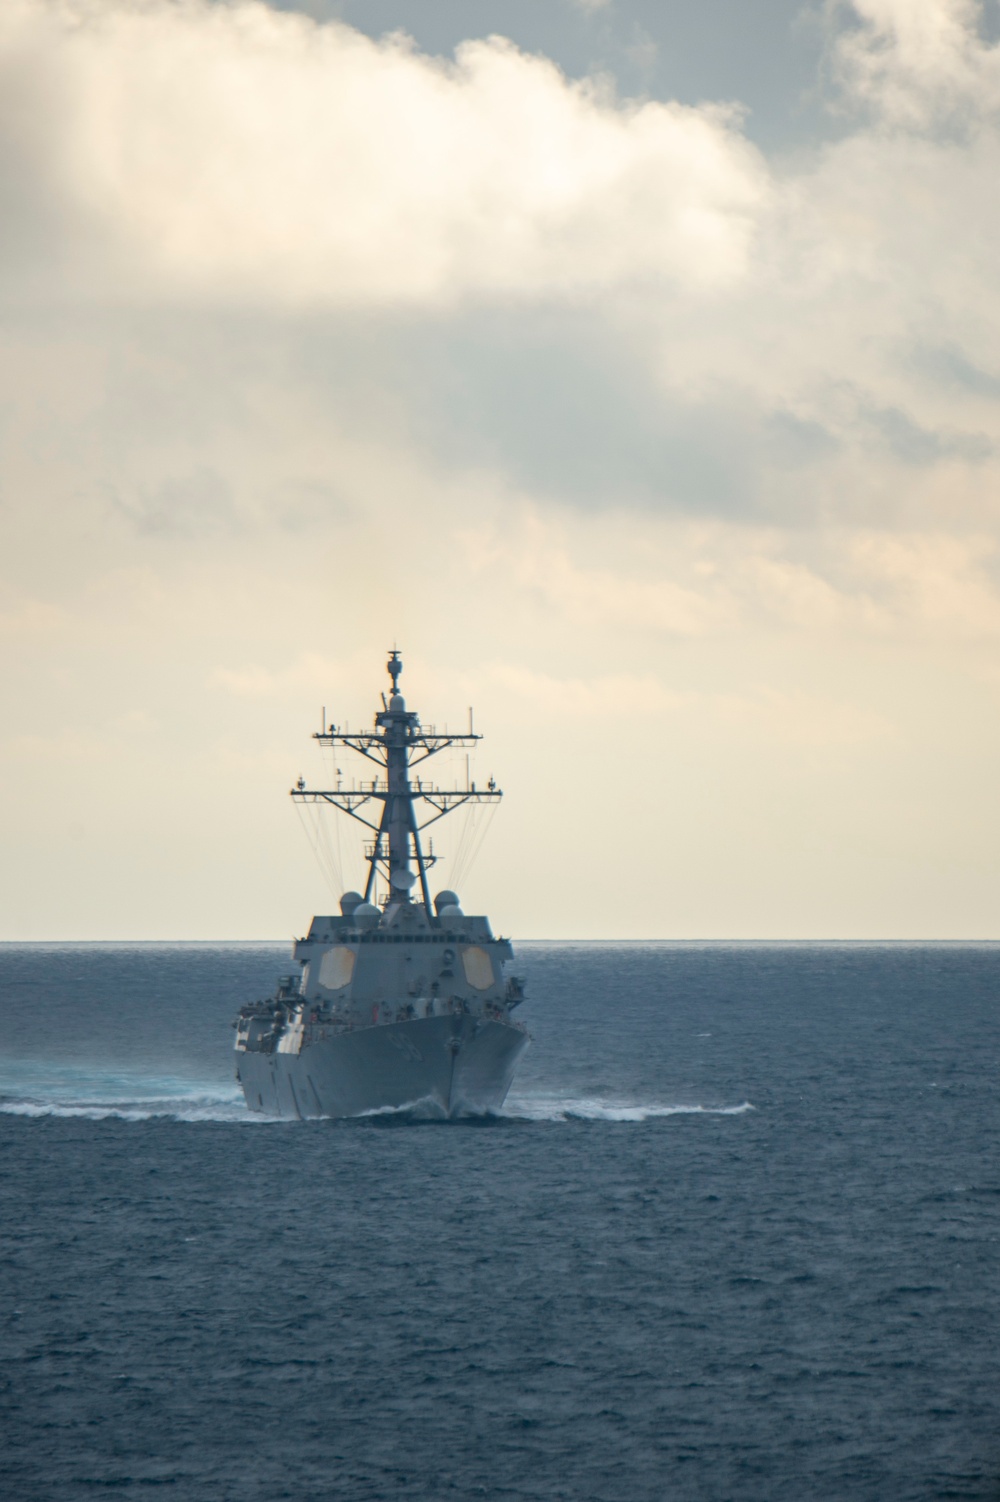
(394, 669)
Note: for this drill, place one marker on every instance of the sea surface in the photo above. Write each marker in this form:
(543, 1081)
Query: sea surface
(736, 1236)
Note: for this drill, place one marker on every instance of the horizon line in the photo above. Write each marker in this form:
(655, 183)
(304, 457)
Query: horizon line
(678, 942)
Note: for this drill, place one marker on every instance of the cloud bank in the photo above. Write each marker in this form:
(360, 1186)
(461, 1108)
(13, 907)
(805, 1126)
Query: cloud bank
(235, 152)
(774, 332)
(312, 338)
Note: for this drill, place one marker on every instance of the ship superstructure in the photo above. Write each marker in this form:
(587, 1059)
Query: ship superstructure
(402, 1003)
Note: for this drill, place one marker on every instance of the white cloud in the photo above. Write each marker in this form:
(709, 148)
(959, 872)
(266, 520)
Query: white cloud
(236, 152)
(232, 156)
(917, 62)
(768, 715)
(541, 558)
(682, 580)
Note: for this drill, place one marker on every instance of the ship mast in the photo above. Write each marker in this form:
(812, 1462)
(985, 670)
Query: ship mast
(397, 745)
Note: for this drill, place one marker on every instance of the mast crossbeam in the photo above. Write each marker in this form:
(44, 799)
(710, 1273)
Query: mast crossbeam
(372, 745)
(446, 802)
(346, 804)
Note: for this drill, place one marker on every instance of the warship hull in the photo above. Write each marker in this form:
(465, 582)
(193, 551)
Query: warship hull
(450, 1066)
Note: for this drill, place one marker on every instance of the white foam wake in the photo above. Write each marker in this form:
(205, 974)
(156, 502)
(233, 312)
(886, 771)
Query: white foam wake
(560, 1108)
(542, 1108)
(94, 1096)
(191, 1108)
(201, 1108)
(424, 1108)
(73, 1095)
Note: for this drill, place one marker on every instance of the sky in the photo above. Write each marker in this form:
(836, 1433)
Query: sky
(634, 367)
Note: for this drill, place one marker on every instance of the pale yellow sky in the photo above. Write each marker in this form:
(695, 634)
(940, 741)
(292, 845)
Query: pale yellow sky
(677, 459)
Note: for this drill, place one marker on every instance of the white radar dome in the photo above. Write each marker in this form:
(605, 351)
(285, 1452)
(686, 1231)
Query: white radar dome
(451, 910)
(445, 899)
(350, 901)
(365, 912)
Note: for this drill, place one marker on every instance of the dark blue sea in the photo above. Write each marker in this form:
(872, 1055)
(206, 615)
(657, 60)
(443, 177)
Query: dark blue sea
(737, 1236)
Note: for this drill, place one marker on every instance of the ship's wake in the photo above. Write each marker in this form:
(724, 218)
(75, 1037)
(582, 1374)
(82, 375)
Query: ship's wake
(97, 1096)
(530, 1109)
(193, 1108)
(572, 1108)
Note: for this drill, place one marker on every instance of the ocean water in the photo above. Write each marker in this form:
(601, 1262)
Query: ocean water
(737, 1236)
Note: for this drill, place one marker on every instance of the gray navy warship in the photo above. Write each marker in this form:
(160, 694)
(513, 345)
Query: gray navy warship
(402, 1004)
